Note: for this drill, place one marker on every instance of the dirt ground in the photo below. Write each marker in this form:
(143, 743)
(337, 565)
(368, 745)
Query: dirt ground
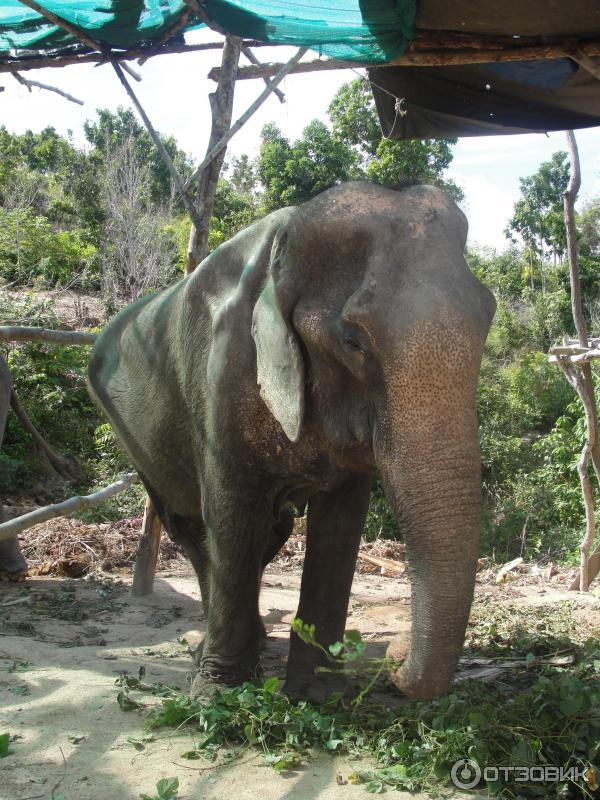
(63, 642)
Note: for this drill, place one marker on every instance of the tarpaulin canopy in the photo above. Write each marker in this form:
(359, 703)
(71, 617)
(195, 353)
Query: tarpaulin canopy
(446, 98)
(367, 31)
(493, 98)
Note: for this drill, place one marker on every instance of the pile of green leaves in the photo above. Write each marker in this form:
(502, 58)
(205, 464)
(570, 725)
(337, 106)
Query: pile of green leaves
(537, 714)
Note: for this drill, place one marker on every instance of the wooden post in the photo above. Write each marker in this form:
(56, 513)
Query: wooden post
(147, 552)
(581, 378)
(221, 104)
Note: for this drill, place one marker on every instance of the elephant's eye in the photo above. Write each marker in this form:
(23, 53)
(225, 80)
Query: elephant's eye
(352, 342)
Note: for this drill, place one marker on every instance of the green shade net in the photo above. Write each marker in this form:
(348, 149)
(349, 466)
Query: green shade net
(368, 31)
(371, 31)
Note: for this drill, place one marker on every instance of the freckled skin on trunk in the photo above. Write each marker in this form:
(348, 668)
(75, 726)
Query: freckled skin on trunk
(319, 344)
(428, 452)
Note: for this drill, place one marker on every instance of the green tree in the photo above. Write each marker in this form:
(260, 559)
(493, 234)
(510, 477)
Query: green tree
(392, 163)
(233, 211)
(293, 173)
(538, 215)
(111, 130)
(244, 175)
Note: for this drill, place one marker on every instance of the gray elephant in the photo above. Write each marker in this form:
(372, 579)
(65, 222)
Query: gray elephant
(12, 564)
(321, 344)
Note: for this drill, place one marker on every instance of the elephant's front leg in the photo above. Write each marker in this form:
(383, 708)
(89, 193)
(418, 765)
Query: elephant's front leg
(335, 524)
(237, 531)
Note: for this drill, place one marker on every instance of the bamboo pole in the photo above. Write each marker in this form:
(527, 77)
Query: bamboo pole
(66, 508)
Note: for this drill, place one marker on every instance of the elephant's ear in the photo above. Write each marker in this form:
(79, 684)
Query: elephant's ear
(279, 363)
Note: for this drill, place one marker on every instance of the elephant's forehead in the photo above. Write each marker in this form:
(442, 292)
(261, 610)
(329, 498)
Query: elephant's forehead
(375, 209)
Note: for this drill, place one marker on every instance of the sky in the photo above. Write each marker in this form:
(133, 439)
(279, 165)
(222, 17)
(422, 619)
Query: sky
(174, 91)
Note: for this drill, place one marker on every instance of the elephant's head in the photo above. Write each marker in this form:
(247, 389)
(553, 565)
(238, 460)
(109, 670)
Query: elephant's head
(370, 330)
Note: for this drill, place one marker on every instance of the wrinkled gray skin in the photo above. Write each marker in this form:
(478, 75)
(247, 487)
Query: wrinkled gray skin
(318, 345)
(12, 564)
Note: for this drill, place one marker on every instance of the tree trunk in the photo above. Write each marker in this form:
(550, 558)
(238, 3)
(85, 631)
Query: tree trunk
(221, 104)
(582, 379)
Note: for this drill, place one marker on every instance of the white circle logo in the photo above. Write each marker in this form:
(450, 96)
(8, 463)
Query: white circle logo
(465, 773)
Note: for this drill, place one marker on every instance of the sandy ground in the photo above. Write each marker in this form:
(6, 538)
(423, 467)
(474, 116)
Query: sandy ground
(61, 702)
(64, 642)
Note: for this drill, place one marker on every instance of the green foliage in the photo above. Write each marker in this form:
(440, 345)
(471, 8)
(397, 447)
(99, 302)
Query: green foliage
(31, 251)
(293, 173)
(404, 163)
(381, 522)
(4, 744)
(166, 789)
(233, 211)
(112, 129)
(543, 713)
(538, 215)
(50, 382)
(390, 163)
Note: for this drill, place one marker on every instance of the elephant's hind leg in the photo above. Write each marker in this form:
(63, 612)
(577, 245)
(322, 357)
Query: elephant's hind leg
(238, 528)
(190, 534)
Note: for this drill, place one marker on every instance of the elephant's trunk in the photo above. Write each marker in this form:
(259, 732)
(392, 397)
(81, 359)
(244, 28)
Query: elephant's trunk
(427, 450)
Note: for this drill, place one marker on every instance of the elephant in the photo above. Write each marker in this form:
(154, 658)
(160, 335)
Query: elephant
(322, 345)
(12, 563)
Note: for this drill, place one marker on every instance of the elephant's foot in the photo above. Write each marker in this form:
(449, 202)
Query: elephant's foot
(19, 575)
(208, 682)
(13, 566)
(197, 653)
(318, 688)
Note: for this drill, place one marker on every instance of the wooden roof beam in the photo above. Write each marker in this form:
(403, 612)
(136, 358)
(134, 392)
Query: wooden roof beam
(10, 63)
(422, 53)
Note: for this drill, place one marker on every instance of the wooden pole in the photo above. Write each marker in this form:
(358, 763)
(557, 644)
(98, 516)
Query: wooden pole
(187, 200)
(23, 63)
(429, 57)
(63, 466)
(241, 121)
(254, 60)
(66, 508)
(221, 104)
(27, 333)
(147, 552)
(29, 85)
(581, 379)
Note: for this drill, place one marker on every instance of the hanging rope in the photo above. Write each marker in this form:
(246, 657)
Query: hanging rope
(399, 103)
